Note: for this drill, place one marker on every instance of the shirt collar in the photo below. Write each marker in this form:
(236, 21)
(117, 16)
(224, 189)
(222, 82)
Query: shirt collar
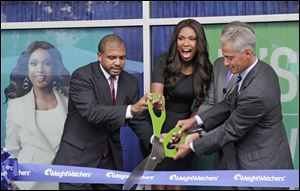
(245, 72)
(106, 74)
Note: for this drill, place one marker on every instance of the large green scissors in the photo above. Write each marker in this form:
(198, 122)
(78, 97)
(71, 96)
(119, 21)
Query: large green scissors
(159, 151)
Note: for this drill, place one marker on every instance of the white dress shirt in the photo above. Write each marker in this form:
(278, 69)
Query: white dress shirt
(107, 76)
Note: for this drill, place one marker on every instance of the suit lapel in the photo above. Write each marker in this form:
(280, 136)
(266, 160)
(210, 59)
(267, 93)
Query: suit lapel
(251, 75)
(231, 83)
(102, 86)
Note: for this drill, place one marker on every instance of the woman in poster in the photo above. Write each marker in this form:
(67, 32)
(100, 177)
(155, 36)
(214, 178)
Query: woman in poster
(37, 107)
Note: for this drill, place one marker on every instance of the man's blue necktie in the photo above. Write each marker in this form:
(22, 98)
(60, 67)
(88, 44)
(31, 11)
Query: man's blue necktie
(239, 79)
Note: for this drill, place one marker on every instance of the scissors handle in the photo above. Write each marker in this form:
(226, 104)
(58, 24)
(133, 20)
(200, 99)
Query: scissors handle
(171, 152)
(157, 122)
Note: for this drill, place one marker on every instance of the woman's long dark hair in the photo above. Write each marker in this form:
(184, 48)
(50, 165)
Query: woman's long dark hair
(202, 67)
(19, 74)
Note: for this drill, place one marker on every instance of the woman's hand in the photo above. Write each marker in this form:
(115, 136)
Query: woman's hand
(159, 104)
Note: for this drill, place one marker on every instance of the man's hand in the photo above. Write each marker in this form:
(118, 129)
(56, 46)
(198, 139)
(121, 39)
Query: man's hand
(184, 125)
(183, 150)
(141, 105)
(192, 137)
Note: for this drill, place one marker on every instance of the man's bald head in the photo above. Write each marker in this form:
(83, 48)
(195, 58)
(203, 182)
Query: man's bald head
(111, 40)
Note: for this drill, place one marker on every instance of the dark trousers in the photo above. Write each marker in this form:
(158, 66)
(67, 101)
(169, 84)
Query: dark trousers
(107, 163)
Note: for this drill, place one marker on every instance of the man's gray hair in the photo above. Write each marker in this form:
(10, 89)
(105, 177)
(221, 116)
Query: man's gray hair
(240, 37)
(237, 24)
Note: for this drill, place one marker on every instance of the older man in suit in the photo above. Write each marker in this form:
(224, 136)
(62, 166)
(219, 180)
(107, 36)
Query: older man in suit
(250, 117)
(102, 98)
(221, 86)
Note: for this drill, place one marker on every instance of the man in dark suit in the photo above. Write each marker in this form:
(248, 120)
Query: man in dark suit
(250, 117)
(102, 98)
(221, 86)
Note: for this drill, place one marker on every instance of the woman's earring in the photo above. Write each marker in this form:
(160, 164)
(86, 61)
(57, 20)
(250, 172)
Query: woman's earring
(26, 83)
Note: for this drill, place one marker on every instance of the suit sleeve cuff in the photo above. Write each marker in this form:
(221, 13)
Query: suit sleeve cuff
(199, 120)
(128, 112)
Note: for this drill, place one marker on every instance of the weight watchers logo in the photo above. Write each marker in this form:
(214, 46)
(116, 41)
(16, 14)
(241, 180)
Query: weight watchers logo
(174, 177)
(61, 174)
(239, 177)
(123, 176)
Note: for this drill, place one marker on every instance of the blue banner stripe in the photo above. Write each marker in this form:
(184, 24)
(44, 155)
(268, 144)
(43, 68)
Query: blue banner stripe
(253, 178)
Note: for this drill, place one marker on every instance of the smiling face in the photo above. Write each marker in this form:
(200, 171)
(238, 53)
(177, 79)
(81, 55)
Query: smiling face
(186, 44)
(40, 67)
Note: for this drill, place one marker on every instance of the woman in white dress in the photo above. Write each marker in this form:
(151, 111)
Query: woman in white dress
(37, 108)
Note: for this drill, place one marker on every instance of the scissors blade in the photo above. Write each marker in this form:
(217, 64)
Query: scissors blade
(149, 163)
(157, 153)
(135, 175)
